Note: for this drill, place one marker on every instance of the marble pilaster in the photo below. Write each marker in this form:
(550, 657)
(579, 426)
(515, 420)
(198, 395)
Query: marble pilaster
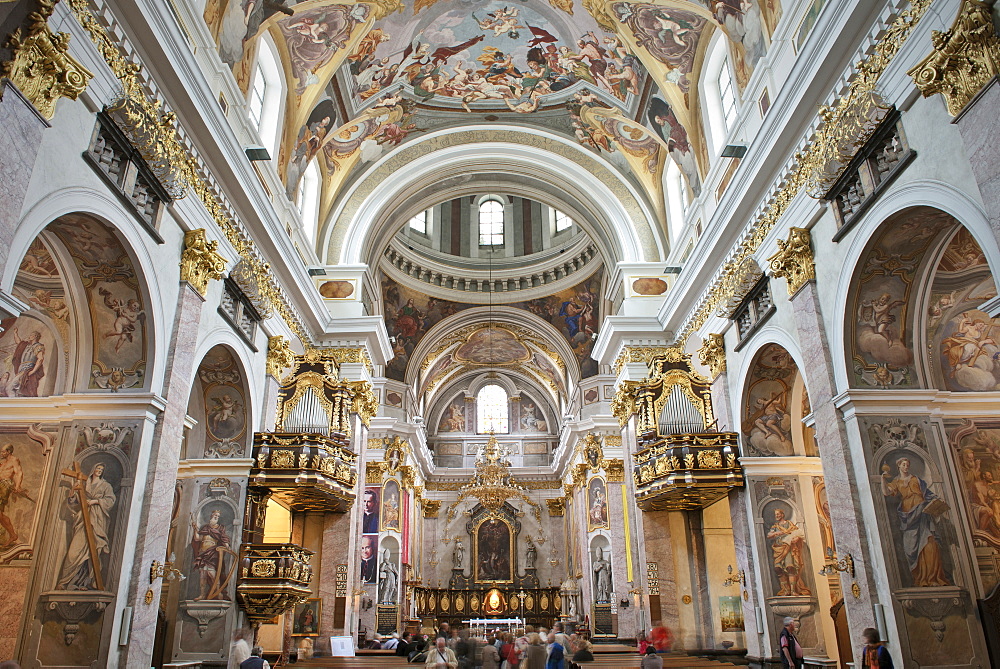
(161, 474)
(846, 509)
(627, 618)
(750, 593)
(270, 406)
(21, 129)
(979, 124)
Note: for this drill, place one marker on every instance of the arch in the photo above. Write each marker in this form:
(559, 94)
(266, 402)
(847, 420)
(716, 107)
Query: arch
(626, 222)
(930, 193)
(107, 210)
(766, 412)
(492, 409)
(221, 400)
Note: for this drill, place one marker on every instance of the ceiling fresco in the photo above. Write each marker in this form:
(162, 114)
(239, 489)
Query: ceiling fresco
(622, 78)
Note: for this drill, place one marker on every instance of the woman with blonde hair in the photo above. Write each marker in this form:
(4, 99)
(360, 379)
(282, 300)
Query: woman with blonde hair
(534, 655)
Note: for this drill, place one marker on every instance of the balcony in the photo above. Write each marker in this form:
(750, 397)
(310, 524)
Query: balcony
(304, 472)
(687, 471)
(273, 579)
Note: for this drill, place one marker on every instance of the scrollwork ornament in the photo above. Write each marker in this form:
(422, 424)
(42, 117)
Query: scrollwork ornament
(623, 404)
(42, 68)
(963, 59)
(200, 262)
(280, 356)
(794, 260)
(713, 354)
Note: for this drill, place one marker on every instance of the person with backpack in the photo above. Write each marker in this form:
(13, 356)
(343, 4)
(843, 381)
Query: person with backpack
(875, 655)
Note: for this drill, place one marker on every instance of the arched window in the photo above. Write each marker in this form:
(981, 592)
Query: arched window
(419, 223)
(491, 223)
(719, 92)
(563, 221)
(491, 405)
(266, 95)
(307, 199)
(676, 192)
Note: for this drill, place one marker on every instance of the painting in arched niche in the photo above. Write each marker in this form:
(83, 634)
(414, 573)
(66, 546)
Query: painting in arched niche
(961, 335)
(767, 420)
(881, 313)
(494, 544)
(115, 300)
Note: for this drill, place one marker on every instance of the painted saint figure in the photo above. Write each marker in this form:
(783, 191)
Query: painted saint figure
(11, 482)
(208, 558)
(788, 541)
(78, 571)
(28, 360)
(918, 507)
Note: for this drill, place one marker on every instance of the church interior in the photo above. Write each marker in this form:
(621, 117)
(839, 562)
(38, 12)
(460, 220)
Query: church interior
(325, 321)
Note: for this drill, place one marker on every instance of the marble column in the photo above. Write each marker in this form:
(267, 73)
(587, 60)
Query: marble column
(700, 592)
(21, 129)
(979, 124)
(160, 476)
(848, 518)
(750, 593)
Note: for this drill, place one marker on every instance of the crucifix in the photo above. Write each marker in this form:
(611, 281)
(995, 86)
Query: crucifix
(79, 488)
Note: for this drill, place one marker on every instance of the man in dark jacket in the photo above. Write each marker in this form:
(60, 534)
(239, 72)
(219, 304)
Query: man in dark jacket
(255, 661)
(403, 647)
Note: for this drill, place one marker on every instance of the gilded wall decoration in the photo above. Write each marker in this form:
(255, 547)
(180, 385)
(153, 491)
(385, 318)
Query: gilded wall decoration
(963, 59)
(200, 262)
(794, 259)
(712, 354)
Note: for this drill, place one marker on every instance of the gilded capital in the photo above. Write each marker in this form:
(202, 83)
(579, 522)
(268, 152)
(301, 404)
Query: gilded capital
(351, 354)
(963, 59)
(280, 356)
(614, 469)
(557, 506)
(365, 401)
(794, 259)
(373, 473)
(200, 262)
(641, 354)
(42, 68)
(713, 354)
(431, 508)
(623, 404)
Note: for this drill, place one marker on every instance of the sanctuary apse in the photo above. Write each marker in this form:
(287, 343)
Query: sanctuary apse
(322, 320)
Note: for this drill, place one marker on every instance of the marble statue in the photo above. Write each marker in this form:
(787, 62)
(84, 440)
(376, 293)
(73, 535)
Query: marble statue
(602, 578)
(458, 557)
(388, 580)
(529, 555)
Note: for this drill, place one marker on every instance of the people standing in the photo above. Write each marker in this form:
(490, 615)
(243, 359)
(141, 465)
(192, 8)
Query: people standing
(534, 656)
(555, 653)
(791, 651)
(491, 657)
(875, 654)
(255, 661)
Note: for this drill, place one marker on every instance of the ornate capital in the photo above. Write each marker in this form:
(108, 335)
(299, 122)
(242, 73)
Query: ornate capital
(200, 262)
(373, 473)
(623, 404)
(431, 508)
(557, 506)
(351, 354)
(365, 401)
(615, 470)
(641, 354)
(794, 260)
(713, 354)
(280, 356)
(963, 59)
(42, 68)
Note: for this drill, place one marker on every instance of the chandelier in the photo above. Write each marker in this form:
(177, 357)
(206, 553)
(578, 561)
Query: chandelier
(492, 483)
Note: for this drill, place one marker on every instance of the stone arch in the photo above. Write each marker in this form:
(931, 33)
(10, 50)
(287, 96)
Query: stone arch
(134, 241)
(924, 193)
(771, 408)
(220, 402)
(626, 221)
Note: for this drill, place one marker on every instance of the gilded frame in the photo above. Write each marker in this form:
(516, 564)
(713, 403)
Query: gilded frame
(475, 551)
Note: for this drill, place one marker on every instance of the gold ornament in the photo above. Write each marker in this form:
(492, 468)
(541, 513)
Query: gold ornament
(431, 508)
(713, 354)
(614, 469)
(794, 260)
(42, 68)
(964, 58)
(365, 401)
(557, 506)
(373, 473)
(735, 286)
(354, 354)
(641, 354)
(623, 404)
(280, 356)
(200, 262)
